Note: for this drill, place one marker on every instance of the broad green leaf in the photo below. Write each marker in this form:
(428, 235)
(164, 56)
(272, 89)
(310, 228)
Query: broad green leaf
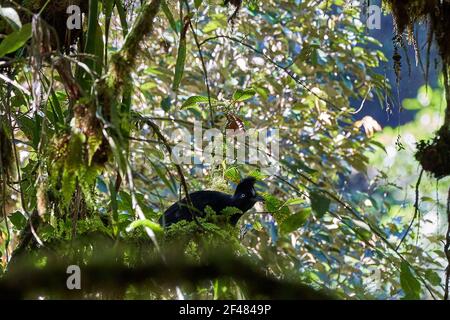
(211, 26)
(319, 203)
(91, 34)
(433, 277)
(181, 59)
(232, 174)
(242, 95)
(146, 209)
(11, 16)
(94, 39)
(293, 201)
(295, 221)
(166, 103)
(410, 285)
(144, 223)
(258, 175)
(194, 100)
(148, 86)
(124, 203)
(275, 206)
(18, 220)
(15, 40)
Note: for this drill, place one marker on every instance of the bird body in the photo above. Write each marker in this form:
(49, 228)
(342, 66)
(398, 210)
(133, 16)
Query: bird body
(243, 199)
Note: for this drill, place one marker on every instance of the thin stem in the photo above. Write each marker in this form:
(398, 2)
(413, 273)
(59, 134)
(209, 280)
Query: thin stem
(447, 250)
(416, 210)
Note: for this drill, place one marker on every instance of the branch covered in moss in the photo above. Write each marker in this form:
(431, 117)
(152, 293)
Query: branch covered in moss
(124, 61)
(103, 276)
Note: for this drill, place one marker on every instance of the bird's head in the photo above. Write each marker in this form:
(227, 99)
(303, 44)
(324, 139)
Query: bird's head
(245, 195)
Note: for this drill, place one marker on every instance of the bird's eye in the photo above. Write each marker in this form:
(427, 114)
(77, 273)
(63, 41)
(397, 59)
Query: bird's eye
(243, 195)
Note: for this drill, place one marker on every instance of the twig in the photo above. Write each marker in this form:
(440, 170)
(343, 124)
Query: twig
(356, 214)
(416, 210)
(205, 71)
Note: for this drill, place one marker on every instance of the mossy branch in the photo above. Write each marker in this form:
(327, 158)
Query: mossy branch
(101, 276)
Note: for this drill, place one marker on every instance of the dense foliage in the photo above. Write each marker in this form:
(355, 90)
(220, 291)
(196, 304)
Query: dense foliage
(89, 119)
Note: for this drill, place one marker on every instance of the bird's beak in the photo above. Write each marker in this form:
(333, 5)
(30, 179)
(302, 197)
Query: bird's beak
(259, 198)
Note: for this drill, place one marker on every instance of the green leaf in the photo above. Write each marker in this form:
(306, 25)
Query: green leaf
(169, 15)
(144, 223)
(198, 3)
(92, 28)
(15, 40)
(378, 144)
(108, 6)
(433, 277)
(194, 100)
(11, 16)
(124, 203)
(166, 103)
(295, 221)
(242, 95)
(181, 59)
(410, 285)
(293, 201)
(232, 174)
(275, 206)
(18, 220)
(94, 39)
(319, 203)
(211, 26)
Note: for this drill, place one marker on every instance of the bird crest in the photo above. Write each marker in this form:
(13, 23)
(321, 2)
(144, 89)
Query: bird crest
(246, 184)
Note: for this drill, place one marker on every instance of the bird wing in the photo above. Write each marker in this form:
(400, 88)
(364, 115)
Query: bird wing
(200, 199)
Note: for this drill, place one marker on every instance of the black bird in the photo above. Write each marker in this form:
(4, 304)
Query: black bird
(244, 198)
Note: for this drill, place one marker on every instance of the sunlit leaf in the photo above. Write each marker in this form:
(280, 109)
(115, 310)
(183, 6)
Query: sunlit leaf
(243, 95)
(10, 15)
(181, 58)
(15, 40)
(144, 223)
(18, 220)
(410, 285)
(194, 100)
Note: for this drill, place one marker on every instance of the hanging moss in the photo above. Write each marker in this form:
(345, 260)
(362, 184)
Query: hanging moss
(434, 155)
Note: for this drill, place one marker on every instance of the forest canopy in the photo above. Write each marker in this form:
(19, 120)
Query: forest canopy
(111, 111)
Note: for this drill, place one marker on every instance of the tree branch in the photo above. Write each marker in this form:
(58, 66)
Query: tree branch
(447, 250)
(109, 274)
